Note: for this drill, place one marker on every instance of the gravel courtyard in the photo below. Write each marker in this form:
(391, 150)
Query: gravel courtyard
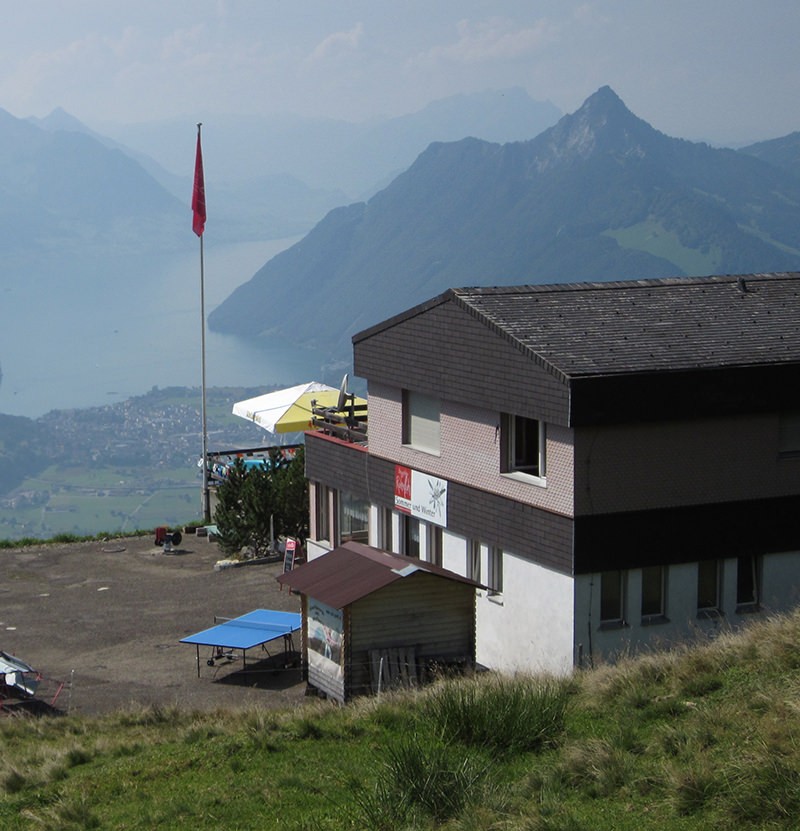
(106, 618)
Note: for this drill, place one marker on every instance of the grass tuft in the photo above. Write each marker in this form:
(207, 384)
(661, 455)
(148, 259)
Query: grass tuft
(507, 715)
(423, 776)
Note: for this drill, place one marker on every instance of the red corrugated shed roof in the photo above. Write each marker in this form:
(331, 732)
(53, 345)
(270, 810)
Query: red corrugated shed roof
(354, 570)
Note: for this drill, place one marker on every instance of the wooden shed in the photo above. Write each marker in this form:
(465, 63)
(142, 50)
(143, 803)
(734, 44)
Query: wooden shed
(373, 620)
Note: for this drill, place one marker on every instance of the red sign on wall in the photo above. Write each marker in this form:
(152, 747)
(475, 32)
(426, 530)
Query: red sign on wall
(402, 488)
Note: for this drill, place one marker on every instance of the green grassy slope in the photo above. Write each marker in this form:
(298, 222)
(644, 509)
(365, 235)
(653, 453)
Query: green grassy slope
(701, 738)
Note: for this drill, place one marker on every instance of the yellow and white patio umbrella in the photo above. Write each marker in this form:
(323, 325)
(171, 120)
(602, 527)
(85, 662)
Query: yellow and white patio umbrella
(289, 410)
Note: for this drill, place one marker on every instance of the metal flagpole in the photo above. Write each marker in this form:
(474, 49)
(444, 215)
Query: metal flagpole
(206, 499)
(198, 225)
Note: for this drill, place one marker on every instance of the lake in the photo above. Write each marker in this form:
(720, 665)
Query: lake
(99, 338)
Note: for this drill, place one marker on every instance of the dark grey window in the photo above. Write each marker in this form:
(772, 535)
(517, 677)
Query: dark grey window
(653, 592)
(411, 547)
(612, 597)
(748, 583)
(708, 586)
(495, 576)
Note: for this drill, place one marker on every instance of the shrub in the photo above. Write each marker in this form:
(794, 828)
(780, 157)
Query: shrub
(507, 715)
(252, 504)
(423, 774)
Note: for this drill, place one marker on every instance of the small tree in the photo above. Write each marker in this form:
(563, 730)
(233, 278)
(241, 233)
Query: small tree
(229, 514)
(291, 497)
(251, 502)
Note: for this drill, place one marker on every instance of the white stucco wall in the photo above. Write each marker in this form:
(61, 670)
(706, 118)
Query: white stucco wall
(528, 627)
(779, 592)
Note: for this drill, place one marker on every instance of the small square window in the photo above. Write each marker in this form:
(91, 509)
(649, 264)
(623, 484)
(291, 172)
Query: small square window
(523, 444)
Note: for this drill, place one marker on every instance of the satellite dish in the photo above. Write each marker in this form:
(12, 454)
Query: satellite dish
(342, 402)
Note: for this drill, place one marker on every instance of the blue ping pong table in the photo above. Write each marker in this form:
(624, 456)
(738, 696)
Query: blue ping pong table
(256, 628)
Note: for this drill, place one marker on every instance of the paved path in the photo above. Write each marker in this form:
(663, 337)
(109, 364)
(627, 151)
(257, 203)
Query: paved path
(108, 617)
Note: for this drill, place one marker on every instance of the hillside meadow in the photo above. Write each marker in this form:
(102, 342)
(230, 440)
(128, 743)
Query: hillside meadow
(706, 737)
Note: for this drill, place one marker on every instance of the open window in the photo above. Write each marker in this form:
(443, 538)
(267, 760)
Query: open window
(522, 446)
(748, 584)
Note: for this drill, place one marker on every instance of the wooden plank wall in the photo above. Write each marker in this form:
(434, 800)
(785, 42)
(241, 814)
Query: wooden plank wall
(431, 615)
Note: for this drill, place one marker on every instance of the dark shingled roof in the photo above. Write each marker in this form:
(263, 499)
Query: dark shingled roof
(638, 326)
(585, 329)
(354, 570)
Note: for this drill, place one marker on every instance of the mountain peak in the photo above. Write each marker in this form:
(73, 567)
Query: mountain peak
(602, 126)
(59, 119)
(605, 99)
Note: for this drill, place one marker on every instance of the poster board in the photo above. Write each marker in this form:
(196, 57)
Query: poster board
(289, 555)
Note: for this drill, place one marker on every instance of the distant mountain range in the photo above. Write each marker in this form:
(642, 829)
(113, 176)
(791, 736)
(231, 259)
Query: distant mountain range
(601, 195)
(63, 191)
(276, 177)
(352, 158)
(782, 152)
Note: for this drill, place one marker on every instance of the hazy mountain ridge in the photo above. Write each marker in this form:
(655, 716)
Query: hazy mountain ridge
(276, 177)
(783, 152)
(601, 195)
(351, 157)
(63, 190)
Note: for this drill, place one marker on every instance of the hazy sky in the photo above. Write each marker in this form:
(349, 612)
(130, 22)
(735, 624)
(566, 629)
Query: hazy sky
(721, 70)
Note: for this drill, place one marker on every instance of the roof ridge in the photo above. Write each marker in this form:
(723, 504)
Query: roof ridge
(608, 285)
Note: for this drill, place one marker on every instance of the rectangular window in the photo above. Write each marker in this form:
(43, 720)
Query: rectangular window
(653, 591)
(612, 598)
(474, 560)
(353, 519)
(522, 445)
(322, 507)
(386, 536)
(435, 542)
(747, 583)
(708, 587)
(421, 421)
(411, 547)
(495, 575)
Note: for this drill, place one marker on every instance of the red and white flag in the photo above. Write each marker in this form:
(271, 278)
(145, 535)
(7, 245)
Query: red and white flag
(199, 192)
